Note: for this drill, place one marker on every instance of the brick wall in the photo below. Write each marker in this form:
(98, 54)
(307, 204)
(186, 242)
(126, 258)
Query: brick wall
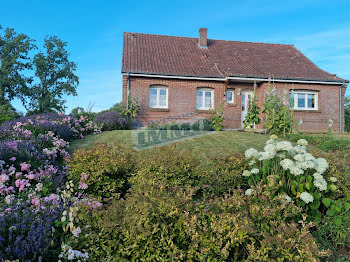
(182, 101)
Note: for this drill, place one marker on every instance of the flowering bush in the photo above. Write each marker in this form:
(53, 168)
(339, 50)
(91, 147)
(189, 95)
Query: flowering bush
(33, 167)
(293, 174)
(108, 121)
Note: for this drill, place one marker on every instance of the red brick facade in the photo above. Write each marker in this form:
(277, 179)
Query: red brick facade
(182, 101)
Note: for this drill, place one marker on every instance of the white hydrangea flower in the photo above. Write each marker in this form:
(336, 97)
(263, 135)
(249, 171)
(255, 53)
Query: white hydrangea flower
(252, 162)
(270, 148)
(287, 164)
(286, 198)
(251, 153)
(307, 165)
(321, 184)
(248, 192)
(333, 179)
(299, 157)
(255, 171)
(317, 176)
(284, 146)
(274, 137)
(296, 171)
(306, 197)
(308, 157)
(322, 165)
(299, 149)
(266, 155)
(302, 142)
(271, 141)
(246, 173)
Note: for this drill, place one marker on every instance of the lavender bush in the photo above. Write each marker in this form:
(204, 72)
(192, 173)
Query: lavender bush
(108, 121)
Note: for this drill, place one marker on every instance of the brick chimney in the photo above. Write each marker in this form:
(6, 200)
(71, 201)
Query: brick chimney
(203, 42)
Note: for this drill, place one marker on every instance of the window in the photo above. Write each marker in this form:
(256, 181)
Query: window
(230, 96)
(303, 100)
(204, 99)
(158, 97)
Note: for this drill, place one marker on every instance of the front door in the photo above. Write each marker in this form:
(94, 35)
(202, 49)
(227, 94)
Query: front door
(246, 95)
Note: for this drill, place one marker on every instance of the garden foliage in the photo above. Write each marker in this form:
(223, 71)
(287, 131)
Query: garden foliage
(279, 118)
(33, 156)
(252, 117)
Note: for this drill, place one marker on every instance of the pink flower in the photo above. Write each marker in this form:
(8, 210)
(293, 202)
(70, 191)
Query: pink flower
(285, 102)
(21, 184)
(36, 201)
(76, 232)
(4, 178)
(12, 145)
(13, 159)
(84, 176)
(24, 166)
(82, 185)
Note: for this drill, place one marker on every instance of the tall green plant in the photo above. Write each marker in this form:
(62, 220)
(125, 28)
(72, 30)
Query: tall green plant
(252, 116)
(347, 114)
(279, 116)
(217, 117)
(131, 110)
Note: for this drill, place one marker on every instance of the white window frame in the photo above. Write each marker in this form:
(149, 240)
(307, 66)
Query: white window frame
(233, 96)
(306, 93)
(204, 91)
(158, 88)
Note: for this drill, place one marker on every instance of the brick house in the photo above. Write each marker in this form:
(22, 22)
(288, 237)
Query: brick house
(180, 79)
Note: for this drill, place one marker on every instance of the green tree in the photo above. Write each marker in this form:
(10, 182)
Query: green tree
(347, 114)
(15, 63)
(56, 78)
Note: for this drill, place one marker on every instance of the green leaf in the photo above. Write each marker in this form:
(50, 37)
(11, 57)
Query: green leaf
(315, 204)
(326, 201)
(307, 185)
(301, 187)
(348, 197)
(346, 205)
(338, 221)
(317, 195)
(330, 212)
(293, 190)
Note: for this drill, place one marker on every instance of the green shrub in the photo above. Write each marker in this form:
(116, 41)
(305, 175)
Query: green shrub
(217, 118)
(178, 167)
(107, 167)
(159, 222)
(222, 174)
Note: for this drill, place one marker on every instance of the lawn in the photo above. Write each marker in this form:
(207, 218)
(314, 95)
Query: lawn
(210, 144)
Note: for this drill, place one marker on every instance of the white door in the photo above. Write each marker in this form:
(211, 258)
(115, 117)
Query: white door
(245, 95)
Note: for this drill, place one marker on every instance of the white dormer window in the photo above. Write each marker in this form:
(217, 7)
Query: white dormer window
(204, 98)
(303, 100)
(158, 97)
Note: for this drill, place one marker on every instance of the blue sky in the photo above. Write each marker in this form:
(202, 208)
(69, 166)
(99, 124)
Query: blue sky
(94, 32)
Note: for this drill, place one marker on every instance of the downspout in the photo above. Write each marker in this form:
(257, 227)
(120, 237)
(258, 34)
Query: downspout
(341, 108)
(127, 90)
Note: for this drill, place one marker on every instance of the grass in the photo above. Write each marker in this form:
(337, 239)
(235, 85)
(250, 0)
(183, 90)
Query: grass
(212, 144)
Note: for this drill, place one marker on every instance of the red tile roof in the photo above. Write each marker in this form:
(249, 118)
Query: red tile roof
(172, 55)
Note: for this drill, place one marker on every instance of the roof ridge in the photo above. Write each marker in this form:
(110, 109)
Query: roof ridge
(223, 40)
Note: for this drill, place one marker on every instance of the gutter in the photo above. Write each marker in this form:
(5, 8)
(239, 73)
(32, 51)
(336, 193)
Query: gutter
(248, 79)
